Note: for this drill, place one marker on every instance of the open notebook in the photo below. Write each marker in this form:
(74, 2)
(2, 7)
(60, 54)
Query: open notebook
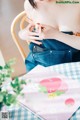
(51, 95)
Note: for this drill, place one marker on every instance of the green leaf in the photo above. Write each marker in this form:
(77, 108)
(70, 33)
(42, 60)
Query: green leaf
(4, 93)
(9, 99)
(19, 89)
(1, 67)
(43, 89)
(13, 85)
(3, 76)
(1, 97)
(1, 81)
(23, 82)
(6, 66)
(60, 92)
(7, 75)
(16, 81)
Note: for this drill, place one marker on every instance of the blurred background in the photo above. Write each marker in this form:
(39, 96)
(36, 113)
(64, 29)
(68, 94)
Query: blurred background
(8, 11)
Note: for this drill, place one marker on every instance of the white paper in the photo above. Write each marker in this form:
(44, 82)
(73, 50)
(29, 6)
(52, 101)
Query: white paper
(51, 107)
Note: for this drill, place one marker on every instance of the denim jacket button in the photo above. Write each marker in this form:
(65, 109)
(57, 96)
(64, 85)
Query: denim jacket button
(69, 51)
(50, 51)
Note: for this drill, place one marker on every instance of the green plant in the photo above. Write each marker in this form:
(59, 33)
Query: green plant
(6, 71)
(9, 97)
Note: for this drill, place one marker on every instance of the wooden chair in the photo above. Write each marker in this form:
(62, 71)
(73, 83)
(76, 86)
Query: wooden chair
(20, 19)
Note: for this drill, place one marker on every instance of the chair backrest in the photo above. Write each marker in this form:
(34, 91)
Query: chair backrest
(19, 19)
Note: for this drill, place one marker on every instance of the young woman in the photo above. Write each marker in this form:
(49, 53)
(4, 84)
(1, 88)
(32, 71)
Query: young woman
(57, 36)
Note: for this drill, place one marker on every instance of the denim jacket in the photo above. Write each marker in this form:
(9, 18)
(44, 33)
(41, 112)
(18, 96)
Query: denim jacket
(51, 52)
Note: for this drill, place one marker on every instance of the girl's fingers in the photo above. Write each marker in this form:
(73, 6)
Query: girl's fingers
(40, 36)
(31, 29)
(33, 33)
(35, 38)
(30, 26)
(36, 42)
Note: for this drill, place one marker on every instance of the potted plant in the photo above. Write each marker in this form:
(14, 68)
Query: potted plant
(9, 97)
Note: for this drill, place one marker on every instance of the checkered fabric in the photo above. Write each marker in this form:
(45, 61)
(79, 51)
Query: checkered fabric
(21, 114)
(71, 70)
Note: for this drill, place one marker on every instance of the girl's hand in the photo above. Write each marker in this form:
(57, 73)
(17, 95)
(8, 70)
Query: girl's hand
(29, 35)
(48, 32)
